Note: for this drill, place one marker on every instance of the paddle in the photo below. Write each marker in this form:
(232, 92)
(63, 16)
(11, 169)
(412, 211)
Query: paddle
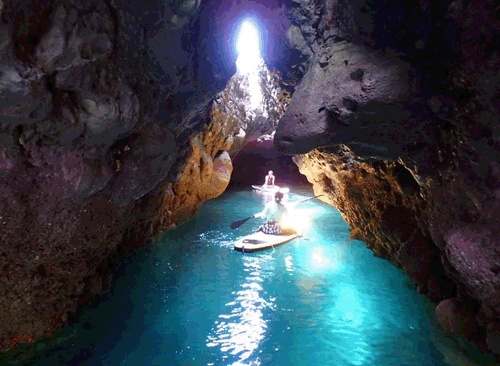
(238, 223)
(295, 204)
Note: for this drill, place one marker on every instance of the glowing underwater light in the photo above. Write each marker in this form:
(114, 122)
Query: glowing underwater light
(319, 259)
(299, 220)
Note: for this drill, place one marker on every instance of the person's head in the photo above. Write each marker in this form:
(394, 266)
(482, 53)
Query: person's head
(270, 172)
(278, 197)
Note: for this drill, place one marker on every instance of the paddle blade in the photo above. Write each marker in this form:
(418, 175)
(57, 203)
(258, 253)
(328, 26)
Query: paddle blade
(238, 223)
(296, 203)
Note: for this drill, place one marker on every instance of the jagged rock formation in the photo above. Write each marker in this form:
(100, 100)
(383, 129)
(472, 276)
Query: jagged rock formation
(105, 140)
(396, 120)
(86, 130)
(205, 174)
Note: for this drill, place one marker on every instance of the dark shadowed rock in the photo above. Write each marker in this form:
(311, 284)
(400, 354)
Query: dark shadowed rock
(455, 318)
(99, 104)
(473, 252)
(493, 336)
(382, 111)
(415, 256)
(142, 162)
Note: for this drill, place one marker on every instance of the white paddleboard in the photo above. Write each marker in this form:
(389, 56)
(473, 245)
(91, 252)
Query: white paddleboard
(260, 241)
(266, 189)
(271, 189)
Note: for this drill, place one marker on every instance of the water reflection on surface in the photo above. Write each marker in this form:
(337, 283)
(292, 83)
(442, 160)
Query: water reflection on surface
(242, 328)
(190, 299)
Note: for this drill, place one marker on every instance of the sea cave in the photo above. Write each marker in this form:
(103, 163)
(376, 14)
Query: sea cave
(132, 132)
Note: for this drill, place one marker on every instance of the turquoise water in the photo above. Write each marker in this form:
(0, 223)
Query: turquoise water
(190, 299)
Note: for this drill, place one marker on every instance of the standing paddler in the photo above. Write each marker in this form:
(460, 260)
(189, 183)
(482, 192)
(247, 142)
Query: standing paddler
(274, 212)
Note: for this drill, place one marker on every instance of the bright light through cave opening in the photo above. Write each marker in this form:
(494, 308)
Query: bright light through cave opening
(249, 60)
(248, 48)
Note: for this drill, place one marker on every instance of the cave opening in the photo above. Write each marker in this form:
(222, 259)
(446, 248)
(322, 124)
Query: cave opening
(249, 61)
(253, 102)
(248, 47)
(250, 65)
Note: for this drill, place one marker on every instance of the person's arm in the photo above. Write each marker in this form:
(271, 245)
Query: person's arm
(272, 180)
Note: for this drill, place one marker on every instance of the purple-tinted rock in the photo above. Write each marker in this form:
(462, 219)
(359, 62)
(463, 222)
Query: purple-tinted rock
(473, 253)
(96, 176)
(144, 162)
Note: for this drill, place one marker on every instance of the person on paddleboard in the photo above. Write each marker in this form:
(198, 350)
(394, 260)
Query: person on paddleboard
(273, 212)
(269, 180)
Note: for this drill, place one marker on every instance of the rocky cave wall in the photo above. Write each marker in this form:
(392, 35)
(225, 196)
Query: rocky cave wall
(105, 140)
(396, 120)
